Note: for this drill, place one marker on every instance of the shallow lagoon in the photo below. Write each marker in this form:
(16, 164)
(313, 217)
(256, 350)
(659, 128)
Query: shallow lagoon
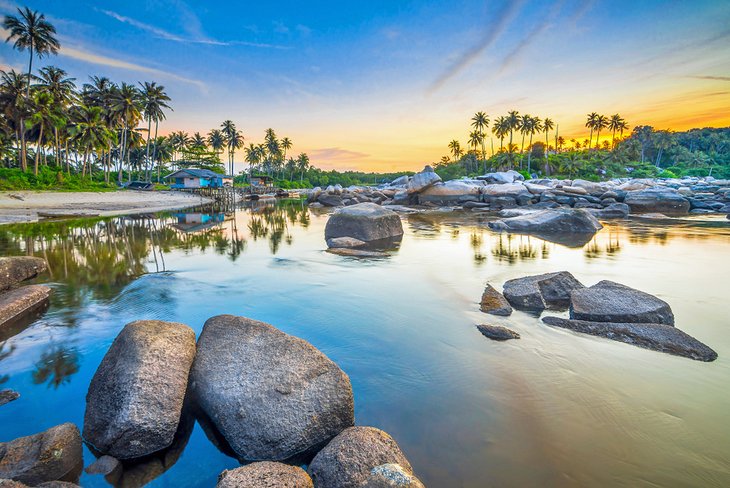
(554, 408)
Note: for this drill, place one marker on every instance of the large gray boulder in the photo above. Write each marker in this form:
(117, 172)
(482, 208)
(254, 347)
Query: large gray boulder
(19, 268)
(424, 179)
(347, 461)
(50, 455)
(272, 396)
(367, 222)
(265, 474)
(502, 177)
(135, 398)
(452, 192)
(657, 200)
(608, 301)
(536, 293)
(18, 302)
(657, 337)
(611, 211)
(567, 226)
(513, 190)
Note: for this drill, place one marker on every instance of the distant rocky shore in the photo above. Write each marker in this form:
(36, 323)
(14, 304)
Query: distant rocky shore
(508, 190)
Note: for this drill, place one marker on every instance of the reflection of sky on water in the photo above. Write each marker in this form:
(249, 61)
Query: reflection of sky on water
(551, 407)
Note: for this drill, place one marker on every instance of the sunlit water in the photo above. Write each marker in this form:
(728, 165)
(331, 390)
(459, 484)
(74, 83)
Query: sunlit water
(555, 408)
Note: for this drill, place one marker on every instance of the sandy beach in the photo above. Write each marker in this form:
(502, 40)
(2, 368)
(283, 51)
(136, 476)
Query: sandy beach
(29, 206)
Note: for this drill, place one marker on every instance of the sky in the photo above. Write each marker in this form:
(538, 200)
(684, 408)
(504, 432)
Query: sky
(384, 85)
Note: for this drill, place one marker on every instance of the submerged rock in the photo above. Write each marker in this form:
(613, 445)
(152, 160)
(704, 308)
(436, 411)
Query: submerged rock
(105, 465)
(272, 396)
(536, 293)
(494, 302)
(349, 458)
(16, 303)
(391, 476)
(19, 268)
(263, 475)
(607, 301)
(51, 455)
(7, 396)
(367, 222)
(497, 332)
(135, 398)
(657, 199)
(657, 337)
(357, 253)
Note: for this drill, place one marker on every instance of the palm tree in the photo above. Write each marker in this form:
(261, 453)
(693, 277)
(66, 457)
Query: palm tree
(534, 126)
(285, 145)
(127, 104)
(229, 131)
(14, 108)
(500, 128)
(154, 102)
(89, 132)
(480, 121)
(198, 141)
(216, 140)
(513, 122)
(235, 142)
(547, 125)
(303, 165)
(600, 123)
(591, 123)
(45, 116)
(455, 147)
(63, 90)
(33, 32)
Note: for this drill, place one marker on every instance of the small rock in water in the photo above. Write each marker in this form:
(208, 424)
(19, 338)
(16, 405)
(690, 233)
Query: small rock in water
(357, 253)
(367, 222)
(497, 332)
(265, 474)
(104, 465)
(607, 301)
(7, 396)
(494, 302)
(391, 476)
(345, 242)
(349, 458)
(47, 456)
(657, 337)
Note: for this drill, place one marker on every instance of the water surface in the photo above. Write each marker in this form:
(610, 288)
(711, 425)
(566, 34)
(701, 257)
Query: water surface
(553, 408)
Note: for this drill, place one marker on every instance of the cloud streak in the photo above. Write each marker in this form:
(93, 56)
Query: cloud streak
(163, 34)
(710, 77)
(493, 32)
(337, 154)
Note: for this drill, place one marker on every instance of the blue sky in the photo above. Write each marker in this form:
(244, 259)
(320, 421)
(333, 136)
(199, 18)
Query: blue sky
(386, 84)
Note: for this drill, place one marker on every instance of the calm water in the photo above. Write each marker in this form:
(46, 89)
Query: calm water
(554, 408)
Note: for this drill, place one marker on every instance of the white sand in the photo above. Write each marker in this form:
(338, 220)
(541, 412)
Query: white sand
(24, 206)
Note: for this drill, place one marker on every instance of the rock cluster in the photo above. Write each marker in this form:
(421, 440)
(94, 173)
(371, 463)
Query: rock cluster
(503, 190)
(19, 301)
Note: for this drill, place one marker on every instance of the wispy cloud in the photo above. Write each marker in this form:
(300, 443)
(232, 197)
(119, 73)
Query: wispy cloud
(337, 154)
(163, 34)
(710, 77)
(90, 57)
(493, 32)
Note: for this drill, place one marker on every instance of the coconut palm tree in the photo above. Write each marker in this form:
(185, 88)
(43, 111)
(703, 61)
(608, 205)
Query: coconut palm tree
(198, 141)
(285, 145)
(229, 132)
(63, 90)
(600, 124)
(43, 115)
(14, 108)
(89, 132)
(216, 140)
(303, 165)
(534, 126)
(480, 122)
(547, 126)
(234, 142)
(154, 103)
(33, 32)
(455, 147)
(500, 128)
(126, 103)
(513, 122)
(591, 124)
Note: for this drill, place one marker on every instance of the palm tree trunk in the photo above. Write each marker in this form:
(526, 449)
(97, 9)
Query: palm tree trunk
(147, 156)
(590, 138)
(23, 147)
(30, 69)
(38, 151)
(154, 150)
(529, 154)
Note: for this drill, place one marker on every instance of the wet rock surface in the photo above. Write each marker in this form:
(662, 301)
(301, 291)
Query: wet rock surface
(391, 476)
(265, 474)
(551, 221)
(54, 454)
(135, 398)
(18, 302)
(536, 293)
(293, 398)
(348, 460)
(366, 222)
(657, 337)
(608, 301)
(15, 269)
(662, 200)
(497, 332)
(493, 302)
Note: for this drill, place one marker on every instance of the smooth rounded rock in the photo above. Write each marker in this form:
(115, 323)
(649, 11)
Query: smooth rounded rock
(265, 474)
(391, 476)
(15, 269)
(497, 332)
(657, 200)
(272, 396)
(135, 398)
(424, 179)
(349, 458)
(608, 301)
(536, 293)
(18, 302)
(493, 302)
(47, 456)
(366, 222)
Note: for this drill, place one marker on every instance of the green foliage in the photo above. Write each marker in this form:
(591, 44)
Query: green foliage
(50, 178)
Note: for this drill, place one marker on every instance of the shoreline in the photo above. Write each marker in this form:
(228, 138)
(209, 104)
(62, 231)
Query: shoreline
(33, 206)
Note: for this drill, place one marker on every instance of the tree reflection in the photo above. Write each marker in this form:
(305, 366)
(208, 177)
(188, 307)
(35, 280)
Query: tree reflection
(56, 367)
(3, 355)
(507, 250)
